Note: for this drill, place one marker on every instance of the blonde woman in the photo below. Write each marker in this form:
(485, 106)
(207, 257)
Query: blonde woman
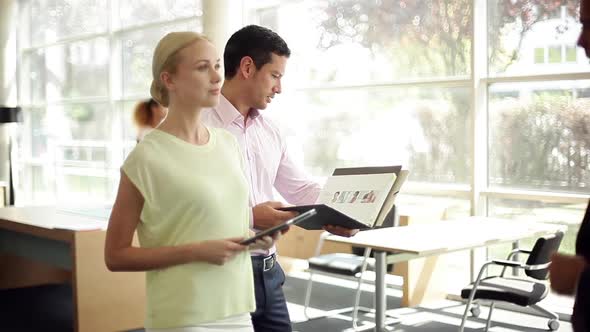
(182, 188)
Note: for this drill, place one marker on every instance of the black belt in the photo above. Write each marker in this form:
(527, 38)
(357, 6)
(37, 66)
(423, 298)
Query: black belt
(266, 262)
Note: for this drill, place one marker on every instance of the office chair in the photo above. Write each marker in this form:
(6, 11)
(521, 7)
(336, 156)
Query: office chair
(344, 264)
(520, 291)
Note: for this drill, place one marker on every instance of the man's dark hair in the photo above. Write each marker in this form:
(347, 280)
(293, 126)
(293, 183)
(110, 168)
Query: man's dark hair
(256, 42)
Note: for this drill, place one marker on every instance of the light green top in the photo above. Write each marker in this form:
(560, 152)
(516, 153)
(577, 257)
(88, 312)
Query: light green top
(192, 193)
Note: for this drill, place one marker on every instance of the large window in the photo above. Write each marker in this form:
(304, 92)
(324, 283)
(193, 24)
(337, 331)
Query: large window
(362, 73)
(83, 66)
(387, 82)
(420, 126)
(533, 37)
(539, 136)
(369, 82)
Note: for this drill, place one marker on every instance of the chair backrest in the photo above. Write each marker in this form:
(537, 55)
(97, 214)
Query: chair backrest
(391, 218)
(541, 254)
(389, 221)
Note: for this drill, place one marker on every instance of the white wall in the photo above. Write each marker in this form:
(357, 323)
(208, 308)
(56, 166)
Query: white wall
(221, 18)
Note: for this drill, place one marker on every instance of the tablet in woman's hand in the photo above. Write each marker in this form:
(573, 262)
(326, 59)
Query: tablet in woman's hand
(272, 230)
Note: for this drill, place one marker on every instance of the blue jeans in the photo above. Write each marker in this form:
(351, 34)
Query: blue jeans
(271, 307)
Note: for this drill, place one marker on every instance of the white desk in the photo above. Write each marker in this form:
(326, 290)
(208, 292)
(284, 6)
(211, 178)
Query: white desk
(103, 300)
(416, 241)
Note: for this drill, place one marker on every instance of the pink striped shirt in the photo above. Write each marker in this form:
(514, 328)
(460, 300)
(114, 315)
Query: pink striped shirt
(267, 163)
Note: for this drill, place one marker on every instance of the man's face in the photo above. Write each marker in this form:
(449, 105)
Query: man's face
(266, 82)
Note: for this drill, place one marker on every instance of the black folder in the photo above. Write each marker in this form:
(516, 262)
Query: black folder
(329, 216)
(325, 216)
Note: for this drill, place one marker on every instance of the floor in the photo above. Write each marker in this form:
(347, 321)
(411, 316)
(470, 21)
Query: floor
(49, 308)
(440, 316)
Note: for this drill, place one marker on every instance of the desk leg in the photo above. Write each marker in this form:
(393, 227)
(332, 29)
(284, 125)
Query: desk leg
(380, 304)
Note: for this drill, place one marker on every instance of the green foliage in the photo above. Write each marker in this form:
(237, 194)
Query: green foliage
(80, 113)
(432, 37)
(520, 15)
(421, 37)
(545, 143)
(324, 152)
(447, 134)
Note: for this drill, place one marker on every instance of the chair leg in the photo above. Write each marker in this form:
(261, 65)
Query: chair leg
(490, 316)
(359, 290)
(475, 309)
(308, 294)
(553, 322)
(357, 297)
(354, 309)
(464, 318)
(472, 294)
(547, 313)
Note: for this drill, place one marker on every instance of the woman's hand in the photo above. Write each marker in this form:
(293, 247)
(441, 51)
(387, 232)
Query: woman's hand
(266, 242)
(219, 252)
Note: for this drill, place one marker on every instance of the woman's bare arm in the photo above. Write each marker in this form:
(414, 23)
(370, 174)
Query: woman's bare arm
(121, 255)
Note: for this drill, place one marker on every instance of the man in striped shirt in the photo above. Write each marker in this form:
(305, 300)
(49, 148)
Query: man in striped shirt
(255, 59)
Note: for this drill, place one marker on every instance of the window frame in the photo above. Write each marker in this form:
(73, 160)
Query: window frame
(117, 146)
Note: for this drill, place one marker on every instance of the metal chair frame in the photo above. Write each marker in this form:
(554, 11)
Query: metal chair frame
(553, 323)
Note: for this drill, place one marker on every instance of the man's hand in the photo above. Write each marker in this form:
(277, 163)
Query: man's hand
(564, 272)
(340, 231)
(266, 215)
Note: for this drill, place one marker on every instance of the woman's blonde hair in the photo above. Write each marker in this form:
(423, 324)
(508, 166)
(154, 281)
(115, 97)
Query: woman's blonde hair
(166, 59)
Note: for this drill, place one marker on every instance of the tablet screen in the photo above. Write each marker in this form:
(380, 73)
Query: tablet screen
(272, 230)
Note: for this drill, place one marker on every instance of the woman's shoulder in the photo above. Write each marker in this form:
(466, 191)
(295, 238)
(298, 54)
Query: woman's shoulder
(146, 146)
(137, 154)
(142, 132)
(219, 131)
(222, 135)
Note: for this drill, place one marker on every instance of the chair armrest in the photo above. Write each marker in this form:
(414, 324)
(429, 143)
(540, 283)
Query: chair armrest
(516, 264)
(518, 251)
(537, 266)
(505, 263)
(512, 254)
(508, 263)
